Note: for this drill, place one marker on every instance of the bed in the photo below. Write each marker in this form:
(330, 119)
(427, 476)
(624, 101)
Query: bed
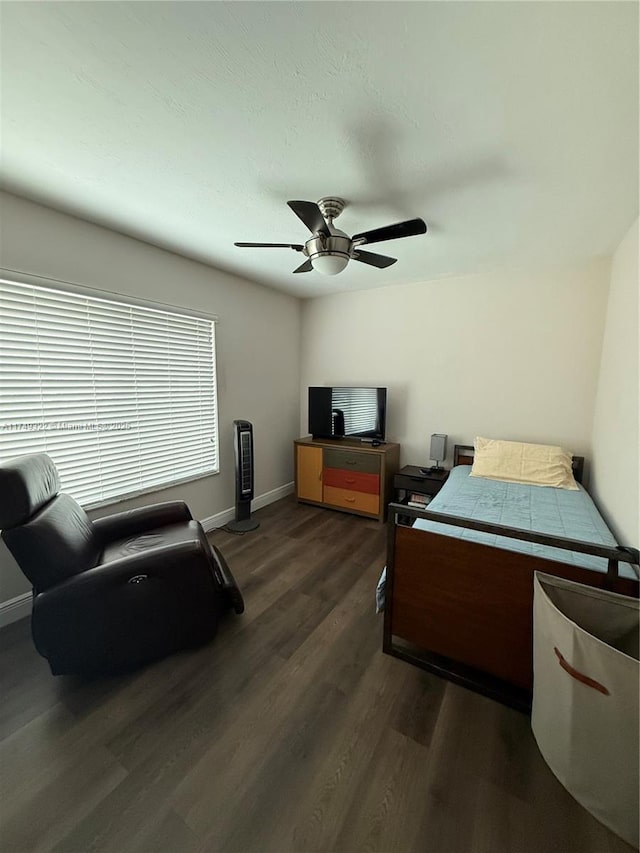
(459, 575)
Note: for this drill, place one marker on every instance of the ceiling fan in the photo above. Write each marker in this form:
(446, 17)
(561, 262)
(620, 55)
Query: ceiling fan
(329, 250)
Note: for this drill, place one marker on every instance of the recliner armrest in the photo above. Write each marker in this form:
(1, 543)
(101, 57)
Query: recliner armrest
(166, 562)
(136, 521)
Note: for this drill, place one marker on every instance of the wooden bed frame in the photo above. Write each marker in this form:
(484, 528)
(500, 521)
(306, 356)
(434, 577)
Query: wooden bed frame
(464, 610)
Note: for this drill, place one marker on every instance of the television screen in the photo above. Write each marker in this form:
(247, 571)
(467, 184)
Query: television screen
(347, 412)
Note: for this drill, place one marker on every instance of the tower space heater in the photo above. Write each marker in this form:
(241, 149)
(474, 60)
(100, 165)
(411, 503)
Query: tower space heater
(243, 440)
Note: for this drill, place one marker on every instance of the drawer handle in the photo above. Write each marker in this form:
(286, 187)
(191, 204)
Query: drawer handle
(579, 676)
(350, 500)
(349, 479)
(351, 461)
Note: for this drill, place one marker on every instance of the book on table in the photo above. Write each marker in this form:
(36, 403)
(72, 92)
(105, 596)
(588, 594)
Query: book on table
(418, 501)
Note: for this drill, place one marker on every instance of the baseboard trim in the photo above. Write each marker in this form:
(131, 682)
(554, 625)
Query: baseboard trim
(212, 522)
(20, 606)
(15, 608)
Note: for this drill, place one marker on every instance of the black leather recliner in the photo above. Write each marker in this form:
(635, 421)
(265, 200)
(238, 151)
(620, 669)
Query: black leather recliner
(116, 592)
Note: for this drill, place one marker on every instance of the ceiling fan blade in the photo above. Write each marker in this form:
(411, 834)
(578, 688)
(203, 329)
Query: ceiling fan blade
(374, 260)
(307, 266)
(311, 215)
(411, 228)
(297, 246)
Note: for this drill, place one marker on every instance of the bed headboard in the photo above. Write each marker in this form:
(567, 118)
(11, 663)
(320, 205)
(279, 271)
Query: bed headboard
(463, 455)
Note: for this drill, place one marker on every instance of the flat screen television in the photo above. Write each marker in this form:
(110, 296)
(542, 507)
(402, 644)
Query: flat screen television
(348, 412)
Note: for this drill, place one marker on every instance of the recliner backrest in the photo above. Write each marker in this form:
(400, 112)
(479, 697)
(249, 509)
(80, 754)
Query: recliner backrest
(49, 534)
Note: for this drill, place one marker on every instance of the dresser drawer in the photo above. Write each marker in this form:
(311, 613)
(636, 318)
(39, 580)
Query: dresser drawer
(350, 460)
(348, 499)
(354, 481)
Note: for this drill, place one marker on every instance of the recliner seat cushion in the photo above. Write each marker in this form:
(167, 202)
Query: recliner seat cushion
(170, 534)
(27, 483)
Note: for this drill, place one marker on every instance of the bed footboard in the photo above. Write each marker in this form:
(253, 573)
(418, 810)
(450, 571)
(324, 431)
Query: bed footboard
(464, 610)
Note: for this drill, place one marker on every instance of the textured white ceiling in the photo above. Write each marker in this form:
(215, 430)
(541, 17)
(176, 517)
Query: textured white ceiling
(511, 128)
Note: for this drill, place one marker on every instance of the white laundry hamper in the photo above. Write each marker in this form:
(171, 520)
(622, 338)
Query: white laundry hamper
(586, 696)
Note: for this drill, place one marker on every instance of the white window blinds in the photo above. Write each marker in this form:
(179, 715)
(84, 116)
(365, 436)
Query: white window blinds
(122, 397)
(359, 406)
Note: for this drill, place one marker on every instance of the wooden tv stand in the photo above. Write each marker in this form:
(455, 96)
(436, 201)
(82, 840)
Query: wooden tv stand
(346, 474)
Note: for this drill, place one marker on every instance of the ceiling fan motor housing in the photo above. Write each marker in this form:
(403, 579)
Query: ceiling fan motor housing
(337, 244)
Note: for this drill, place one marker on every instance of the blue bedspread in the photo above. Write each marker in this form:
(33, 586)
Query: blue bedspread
(559, 512)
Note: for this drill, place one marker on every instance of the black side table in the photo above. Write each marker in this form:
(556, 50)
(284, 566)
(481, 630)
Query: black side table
(411, 478)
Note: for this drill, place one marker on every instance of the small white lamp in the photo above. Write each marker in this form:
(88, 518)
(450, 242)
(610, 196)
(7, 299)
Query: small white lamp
(438, 450)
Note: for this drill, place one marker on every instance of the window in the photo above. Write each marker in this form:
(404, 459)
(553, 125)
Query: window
(121, 396)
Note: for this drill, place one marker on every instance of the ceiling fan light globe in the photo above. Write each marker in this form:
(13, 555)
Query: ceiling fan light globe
(329, 264)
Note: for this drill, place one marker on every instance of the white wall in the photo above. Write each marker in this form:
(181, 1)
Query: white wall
(258, 339)
(615, 478)
(512, 355)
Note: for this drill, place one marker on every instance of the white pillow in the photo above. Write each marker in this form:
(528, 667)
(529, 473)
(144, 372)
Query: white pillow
(518, 462)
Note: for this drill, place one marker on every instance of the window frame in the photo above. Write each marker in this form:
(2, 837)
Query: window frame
(14, 277)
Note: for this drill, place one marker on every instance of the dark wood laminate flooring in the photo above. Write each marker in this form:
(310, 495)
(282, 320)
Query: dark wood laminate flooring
(290, 732)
